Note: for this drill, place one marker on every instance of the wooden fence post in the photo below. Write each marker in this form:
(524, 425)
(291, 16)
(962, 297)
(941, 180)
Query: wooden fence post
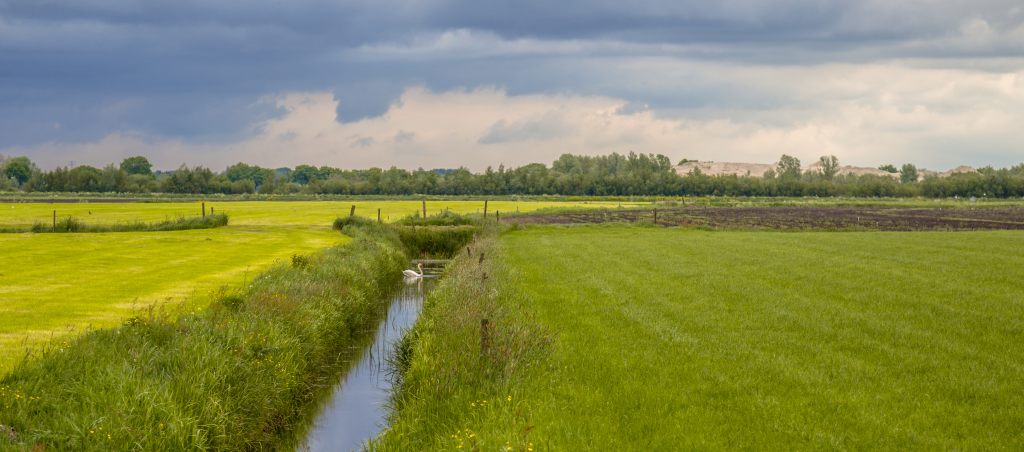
(655, 216)
(497, 216)
(54, 221)
(378, 216)
(424, 209)
(352, 212)
(485, 208)
(485, 336)
(204, 210)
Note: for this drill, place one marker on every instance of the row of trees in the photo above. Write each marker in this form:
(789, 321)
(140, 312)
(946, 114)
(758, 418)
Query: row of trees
(615, 174)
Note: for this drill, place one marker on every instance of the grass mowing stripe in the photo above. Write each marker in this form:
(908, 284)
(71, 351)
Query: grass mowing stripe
(673, 339)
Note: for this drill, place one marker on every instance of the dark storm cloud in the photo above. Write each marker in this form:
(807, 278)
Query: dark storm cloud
(78, 70)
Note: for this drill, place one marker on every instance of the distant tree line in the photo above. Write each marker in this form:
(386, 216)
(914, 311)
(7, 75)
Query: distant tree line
(575, 175)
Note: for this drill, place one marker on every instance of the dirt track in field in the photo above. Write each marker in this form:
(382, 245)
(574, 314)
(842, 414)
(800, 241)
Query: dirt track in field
(800, 218)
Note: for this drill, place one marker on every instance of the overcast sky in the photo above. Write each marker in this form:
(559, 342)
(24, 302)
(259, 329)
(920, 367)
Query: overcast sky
(438, 83)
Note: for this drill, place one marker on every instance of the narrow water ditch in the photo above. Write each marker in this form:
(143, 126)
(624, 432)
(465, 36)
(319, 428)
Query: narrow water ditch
(357, 411)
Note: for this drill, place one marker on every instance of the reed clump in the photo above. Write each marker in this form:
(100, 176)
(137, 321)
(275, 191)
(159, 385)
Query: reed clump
(72, 224)
(436, 241)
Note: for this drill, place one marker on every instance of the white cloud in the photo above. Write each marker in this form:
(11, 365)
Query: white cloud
(865, 114)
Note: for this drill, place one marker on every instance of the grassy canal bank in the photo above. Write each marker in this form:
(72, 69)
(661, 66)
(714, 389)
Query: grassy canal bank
(239, 373)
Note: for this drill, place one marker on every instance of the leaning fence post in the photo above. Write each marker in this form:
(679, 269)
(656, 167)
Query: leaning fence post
(352, 212)
(485, 208)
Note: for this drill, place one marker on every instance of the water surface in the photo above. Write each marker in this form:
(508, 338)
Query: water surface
(357, 411)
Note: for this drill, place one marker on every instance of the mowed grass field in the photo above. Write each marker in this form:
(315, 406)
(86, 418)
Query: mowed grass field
(55, 284)
(668, 339)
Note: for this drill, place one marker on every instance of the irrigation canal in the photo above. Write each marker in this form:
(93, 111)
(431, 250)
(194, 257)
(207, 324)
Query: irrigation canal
(357, 411)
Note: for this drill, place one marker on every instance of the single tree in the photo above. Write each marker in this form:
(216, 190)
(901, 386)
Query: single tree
(19, 169)
(789, 167)
(908, 174)
(829, 166)
(137, 165)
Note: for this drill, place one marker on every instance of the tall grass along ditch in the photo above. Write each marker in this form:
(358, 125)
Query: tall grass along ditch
(457, 365)
(72, 224)
(240, 373)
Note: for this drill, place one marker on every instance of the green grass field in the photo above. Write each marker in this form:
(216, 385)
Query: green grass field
(53, 284)
(669, 339)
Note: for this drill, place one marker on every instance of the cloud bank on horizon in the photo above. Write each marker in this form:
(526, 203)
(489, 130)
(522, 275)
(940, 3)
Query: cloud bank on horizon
(461, 83)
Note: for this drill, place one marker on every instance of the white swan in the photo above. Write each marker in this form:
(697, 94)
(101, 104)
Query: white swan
(412, 273)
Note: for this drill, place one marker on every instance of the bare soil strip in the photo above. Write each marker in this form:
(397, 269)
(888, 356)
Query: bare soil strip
(799, 218)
